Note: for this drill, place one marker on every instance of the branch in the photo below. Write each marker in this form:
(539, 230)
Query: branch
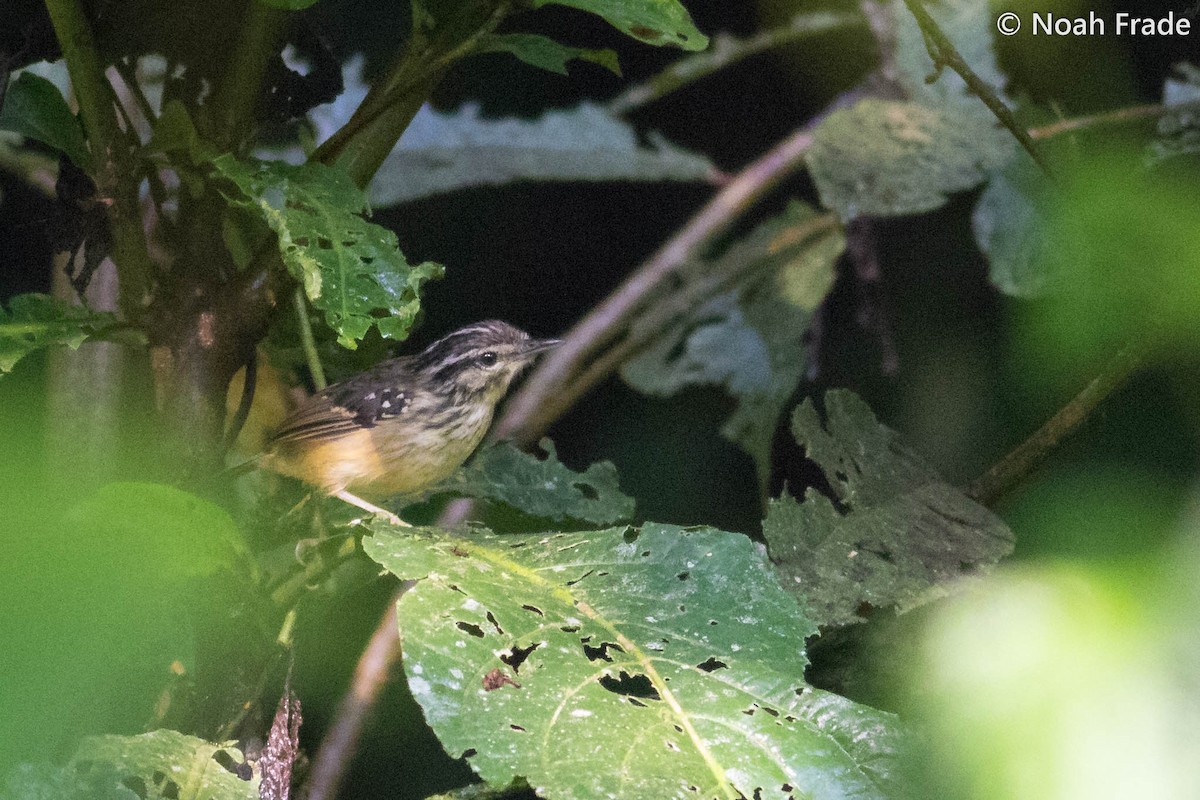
(370, 676)
(1022, 460)
(229, 113)
(943, 53)
(725, 51)
(1120, 115)
(553, 387)
(114, 169)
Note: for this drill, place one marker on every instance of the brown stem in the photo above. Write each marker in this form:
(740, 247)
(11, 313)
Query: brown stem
(1022, 460)
(1120, 115)
(370, 676)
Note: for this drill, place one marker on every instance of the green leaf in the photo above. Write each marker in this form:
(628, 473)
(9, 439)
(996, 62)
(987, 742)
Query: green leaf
(885, 158)
(626, 663)
(444, 152)
(34, 108)
(1009, 222)
(351, 269)
(35, 321)
(544, 487)
(45, 782)
(968, 24)
(545, 53)
(170, 764)
(165, 534)
(894, 534)
(750, 340)
(659, 22)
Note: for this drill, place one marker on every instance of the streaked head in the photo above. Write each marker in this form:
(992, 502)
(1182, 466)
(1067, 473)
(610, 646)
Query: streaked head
(481, 360)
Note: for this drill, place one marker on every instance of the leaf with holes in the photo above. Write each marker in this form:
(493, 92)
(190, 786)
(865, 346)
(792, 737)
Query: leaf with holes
(36, 321)
(544, 487)
(170, 764)
(750, 338)
(351, 269)
(663, 662)
(894, 533)
(660, 22)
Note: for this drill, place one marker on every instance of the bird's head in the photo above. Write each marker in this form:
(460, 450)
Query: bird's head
(479, 362)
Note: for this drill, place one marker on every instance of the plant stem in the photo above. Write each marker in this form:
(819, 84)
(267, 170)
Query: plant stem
(944, 53)
(1120, 115)
(726, 51)
(229, 113)
(311, 356)
(114, 167)
(370, 676)
(1023, 459)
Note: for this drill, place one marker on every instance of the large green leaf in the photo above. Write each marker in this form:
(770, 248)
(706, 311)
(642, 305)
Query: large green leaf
(654, 663)
(169, 765)
(886, 158)
(545, 53)
(749, 339)
(351, 269)
(164, 534)
(894, 534)
(444, 152)
(35, 108)
(661, 22)
(544, 487)
(35, 321)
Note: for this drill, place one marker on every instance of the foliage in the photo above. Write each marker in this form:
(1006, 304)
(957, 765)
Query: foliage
(33, 107)
(883, 158)
(543, 487)
(545, 53)
(460, 150)
(170, 764)
(36, 321)
(892, 534)
(351, 270)
(661, 22)
(522, 646)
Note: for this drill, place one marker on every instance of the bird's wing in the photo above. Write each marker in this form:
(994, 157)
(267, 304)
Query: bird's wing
(361, 402)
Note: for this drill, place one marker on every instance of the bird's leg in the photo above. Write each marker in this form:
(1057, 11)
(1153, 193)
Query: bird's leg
(355, 500)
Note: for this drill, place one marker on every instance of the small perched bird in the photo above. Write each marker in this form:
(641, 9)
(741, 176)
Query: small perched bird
(406, 423)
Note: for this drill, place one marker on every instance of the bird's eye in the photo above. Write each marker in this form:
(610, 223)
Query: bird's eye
(488, 359)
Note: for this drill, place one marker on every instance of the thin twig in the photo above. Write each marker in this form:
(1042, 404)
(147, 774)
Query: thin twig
(943, 52)
(1120, 115)
(311, 356)
(725, 51)
(113, 164)
(370, 676)
(1022, 460)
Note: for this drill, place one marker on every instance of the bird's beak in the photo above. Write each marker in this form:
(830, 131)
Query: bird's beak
(536, 346)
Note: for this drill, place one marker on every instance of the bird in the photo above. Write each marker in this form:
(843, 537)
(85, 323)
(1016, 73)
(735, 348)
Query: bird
(407, 423)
